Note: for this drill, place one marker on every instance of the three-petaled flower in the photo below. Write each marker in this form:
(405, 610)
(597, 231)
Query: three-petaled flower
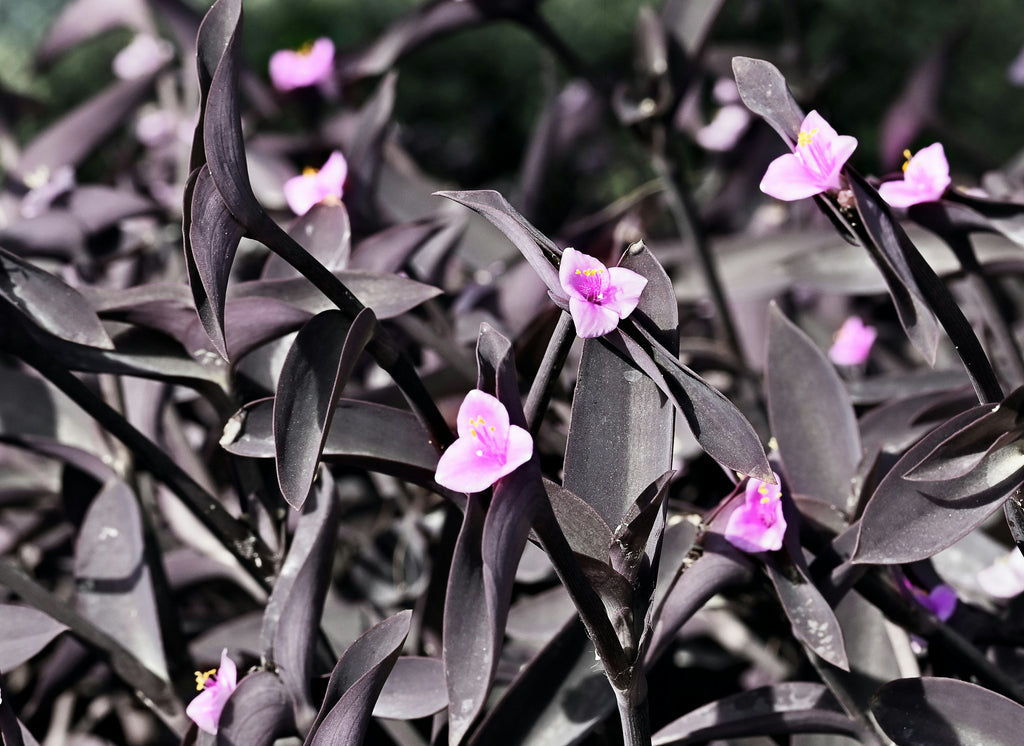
(316, 185)
(814, 166)
(312, 64)
(215, 686)
(852, 343)
(758, 524)
(925, 178)
(598, 295)
(488, 447)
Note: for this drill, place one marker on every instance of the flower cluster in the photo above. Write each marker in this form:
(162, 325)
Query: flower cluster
(488, 447)
(758, 524)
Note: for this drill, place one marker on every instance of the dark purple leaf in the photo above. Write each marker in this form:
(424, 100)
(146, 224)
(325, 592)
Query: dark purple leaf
(893, 259)
(324, 232)
(789, 707)
(23, 633)
(584, 528)
(531, 243)
(113, 581)
(691, 21)
(763, 89)
(557, 699)
(415, 689)
(638, 536)
(99, 207)
(211, 240)
(12, 731)
(537, 619)
(257, 713)
(356, 682)
(386, 294)
(292, 617)
(362, 434)
(84, 19)
(387, 251)
(908, 520)
(54, 233)
(318, 365)
(365, 155)
(248, 323)
(79, 132)
(813, 423)
(48, 302)
(929, 711)
(973, 213)
(812, 618)
(622, 426)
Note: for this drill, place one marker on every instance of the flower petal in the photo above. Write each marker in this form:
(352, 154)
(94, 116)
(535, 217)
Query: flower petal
(301, 193)
(464, 467)
(332, 175)
(591, 319)
(745, 530)
(788, 179)
(204, 712)
(815, 121)
(902, 193)
(627, 286)
(840, 149)
(227, 674)
(942, 601)
(520, 449)
(574, 263)
(481, 404)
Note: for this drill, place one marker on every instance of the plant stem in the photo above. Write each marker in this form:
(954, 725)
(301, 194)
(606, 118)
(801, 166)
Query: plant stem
(634, 716)
(547, 374)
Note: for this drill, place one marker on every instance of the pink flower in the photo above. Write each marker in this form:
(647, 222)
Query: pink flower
(1005, 577)
(488, 447)
(598, 296)
(758, 525)
(853, 341)
(215, 688)
(925, 178)
(941, 601)
(815, 165)
(313, 64)
(313, 186)
(143, 56)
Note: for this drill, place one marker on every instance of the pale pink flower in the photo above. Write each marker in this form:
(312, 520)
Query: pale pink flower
(488, 447)
(758, 525)
(215, 686)
(925, 178)
(313, 64)
(1005, 577)
(316, 185)
(598, 296)
(853, 342)
(814, 166)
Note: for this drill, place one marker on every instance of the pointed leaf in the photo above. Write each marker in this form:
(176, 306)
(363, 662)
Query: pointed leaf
(53, 233)
(211, 240)
(789, 707)
(257, 713)
(362, 434)
(928, 711)
(291, 621)
(813, 423)
(325, 232)
(318, 365)
(530, 242)
(23, 633)
(50, 303)
(114, 587)
(356, 683)
(388, 250)
(584, 528)
(763, 89)
(415, 689)
(80, 20)
(909, 520)
(249, 323)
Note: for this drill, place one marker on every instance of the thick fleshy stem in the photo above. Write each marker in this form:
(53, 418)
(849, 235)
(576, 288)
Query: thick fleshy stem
(634, 715)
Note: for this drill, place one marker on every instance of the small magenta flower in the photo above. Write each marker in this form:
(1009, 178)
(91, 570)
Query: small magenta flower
(925, 178)
(814, 166)
(214, 688)
(941, 600)
(488, 447)
(598, 296)
(313, 64)
(758, 525)
(316, 185)
(852, 343)
(1005, 577)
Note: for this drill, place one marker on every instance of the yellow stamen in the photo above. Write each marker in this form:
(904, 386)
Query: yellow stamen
(805, 138)
(906, 154)
(763, 489)
(202, 677)
(309, 171)
(306, 49)
(765, 500)
(589, 272)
